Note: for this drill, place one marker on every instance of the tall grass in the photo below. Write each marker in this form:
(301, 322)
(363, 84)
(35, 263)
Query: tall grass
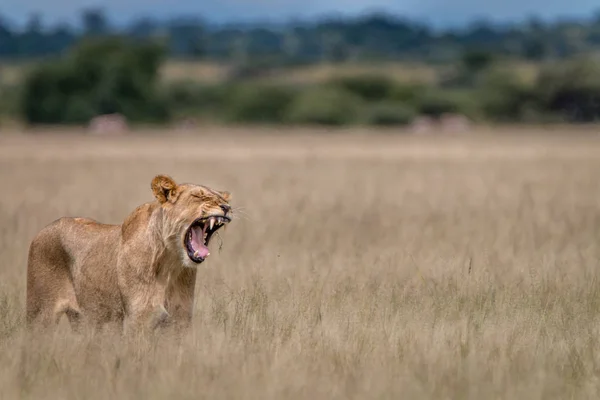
(368, 267)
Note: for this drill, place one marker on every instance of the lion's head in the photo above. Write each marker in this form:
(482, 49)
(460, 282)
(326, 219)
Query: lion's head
(192, 214)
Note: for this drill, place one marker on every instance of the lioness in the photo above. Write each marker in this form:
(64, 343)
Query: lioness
(140, 274)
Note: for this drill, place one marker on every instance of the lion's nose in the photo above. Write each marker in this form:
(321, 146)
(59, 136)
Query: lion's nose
(226, 208)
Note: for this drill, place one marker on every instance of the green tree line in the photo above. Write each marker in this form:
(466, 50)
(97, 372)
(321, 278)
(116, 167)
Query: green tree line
(371, 37)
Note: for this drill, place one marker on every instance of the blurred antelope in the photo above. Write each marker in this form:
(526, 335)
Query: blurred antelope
(108, 124)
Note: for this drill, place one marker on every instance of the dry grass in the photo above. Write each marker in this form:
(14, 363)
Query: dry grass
(402, 72)
(361, 267)
(212, 72)
(195, 71)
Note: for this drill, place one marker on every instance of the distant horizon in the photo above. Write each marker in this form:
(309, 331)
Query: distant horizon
(120, 19)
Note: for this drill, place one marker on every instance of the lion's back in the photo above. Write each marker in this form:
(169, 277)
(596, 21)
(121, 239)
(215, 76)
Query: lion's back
(73, 240)
(76, 233)
(75, 259)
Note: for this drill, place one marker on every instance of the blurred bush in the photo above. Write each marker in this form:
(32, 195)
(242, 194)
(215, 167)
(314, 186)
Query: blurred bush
(259, 103)
(9, 101)
(365, 86)
(389, 113)
(408, 93)
(571, 89)
(188, 98)
(472, 64)
(325, 106)
(98, 76)
(434, 102)
(505, 96)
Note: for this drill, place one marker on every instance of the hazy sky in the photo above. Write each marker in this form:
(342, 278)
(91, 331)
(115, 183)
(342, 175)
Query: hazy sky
(439, 12)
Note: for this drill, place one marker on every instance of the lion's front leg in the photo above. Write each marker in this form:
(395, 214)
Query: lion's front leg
(145, 315)
(152, 307)
(152, 318)
(144, 308)
(180, 301)
(145, 320)
(143, 296)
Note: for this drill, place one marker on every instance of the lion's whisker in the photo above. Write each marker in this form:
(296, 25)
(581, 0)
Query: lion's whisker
(242, 214)
(220, 241)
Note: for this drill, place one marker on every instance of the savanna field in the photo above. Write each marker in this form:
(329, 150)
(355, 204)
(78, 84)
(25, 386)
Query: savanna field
(359, 265)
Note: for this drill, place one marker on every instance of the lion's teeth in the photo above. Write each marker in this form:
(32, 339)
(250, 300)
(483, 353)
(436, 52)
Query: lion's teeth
(211, 223)
(196, 254)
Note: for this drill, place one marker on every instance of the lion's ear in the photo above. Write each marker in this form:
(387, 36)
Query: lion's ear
(164, 188)
(226, 196)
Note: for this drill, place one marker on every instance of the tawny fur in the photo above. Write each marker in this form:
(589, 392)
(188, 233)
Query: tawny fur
(136, 274)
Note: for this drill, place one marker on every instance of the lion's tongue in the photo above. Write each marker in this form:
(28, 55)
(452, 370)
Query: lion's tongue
(197, 242)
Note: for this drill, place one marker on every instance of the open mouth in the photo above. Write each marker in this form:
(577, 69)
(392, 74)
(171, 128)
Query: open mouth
(198, 236)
